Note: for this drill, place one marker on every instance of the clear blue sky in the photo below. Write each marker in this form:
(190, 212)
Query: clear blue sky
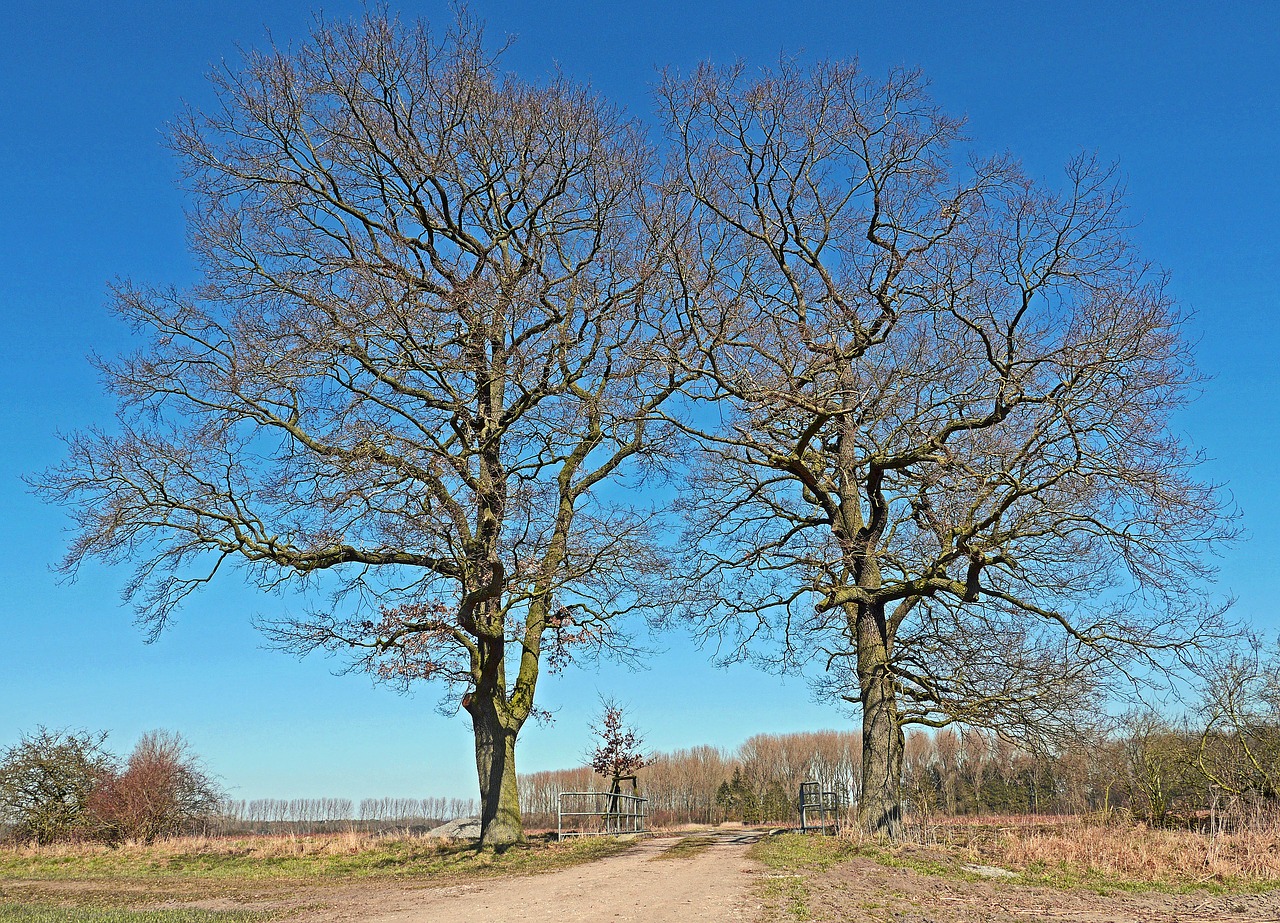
(1182, 95)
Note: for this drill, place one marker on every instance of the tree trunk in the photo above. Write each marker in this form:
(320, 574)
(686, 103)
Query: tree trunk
(880, 807)
(500, 824)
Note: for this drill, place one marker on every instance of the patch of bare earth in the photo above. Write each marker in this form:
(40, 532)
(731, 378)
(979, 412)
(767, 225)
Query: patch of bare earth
(862, 891)
(708, 885)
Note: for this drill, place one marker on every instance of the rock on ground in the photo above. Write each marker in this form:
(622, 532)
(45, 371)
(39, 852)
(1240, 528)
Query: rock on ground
(463, 828)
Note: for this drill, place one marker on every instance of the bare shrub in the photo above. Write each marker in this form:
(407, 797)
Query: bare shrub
(164, 790)
(47, 781)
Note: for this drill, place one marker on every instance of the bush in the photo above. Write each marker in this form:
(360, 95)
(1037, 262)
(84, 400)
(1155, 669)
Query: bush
(164, 790)
(47, 781)
(62, 785)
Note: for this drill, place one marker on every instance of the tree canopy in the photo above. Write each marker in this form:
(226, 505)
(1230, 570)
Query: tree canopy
(422, 339)
(453, 326)
(942, 461)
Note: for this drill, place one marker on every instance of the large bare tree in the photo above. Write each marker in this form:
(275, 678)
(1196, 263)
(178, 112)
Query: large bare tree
(423, 340)
(941, 459)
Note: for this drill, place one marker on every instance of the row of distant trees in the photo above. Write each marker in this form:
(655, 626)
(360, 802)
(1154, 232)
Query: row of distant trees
(1221, 767)
(757, 782)
(67, 786)
(1156, 770)
(1216, 764)
(319, 814)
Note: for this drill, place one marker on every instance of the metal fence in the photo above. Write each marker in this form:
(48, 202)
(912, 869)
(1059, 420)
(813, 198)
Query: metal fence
(819, 810)
(599, 814)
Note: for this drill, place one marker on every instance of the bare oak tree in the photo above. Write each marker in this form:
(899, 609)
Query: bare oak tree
(421, 343)
(940, 460)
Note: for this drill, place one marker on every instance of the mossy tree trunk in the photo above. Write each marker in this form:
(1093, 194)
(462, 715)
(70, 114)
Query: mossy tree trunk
(880, 807)
(495, 737)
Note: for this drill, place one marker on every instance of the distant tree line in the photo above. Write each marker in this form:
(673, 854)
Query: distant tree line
(757, 782)
(316, 815)
(1217, 767)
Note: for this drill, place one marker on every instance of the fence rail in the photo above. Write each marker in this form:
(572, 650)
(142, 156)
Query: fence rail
(600, 814)
(819, 810)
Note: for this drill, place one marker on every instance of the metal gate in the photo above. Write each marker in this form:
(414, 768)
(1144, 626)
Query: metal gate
(819, 810)
(599, 814)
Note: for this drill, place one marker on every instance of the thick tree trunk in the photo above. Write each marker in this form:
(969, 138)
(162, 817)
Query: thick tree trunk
(500, 824)
(880, 807)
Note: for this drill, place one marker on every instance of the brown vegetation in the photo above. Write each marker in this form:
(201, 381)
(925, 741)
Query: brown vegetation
(162, 791)
(65, 786)
(1135, 852)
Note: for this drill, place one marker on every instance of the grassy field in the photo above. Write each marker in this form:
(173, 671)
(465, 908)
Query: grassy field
(98, 884)
(959, 864)
(1064, 856)
(336, 856)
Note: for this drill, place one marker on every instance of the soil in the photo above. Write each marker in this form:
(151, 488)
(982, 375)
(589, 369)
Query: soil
(706, 886)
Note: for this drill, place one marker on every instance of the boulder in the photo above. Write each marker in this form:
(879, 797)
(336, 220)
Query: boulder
(463, 828)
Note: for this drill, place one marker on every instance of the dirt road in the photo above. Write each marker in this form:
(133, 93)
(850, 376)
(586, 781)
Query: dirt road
(646, 883)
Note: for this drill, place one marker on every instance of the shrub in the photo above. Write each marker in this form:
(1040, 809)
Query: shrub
(47, 781)
(164, 790)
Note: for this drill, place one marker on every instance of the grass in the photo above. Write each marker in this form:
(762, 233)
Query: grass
(1075, 854)
(320, 857)
(98, 884)
(1065, 854)
(23, 913)
(791, 859)
(798, 851)
(686, 848)
(787, 894)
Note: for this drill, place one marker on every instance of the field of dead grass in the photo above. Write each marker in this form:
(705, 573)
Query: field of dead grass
(1003, 869)
(337, 855)
(246, 879)
(1075, 849)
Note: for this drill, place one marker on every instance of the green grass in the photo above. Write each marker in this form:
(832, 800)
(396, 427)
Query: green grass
(789, 893)
(799, 851)
(686, 848)
(791, 858)
(21, 913)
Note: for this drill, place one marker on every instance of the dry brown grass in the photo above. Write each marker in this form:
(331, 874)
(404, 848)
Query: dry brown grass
(1142, 854)
(329, 856)
(263, 847)
(1075, 850)
(269, 875)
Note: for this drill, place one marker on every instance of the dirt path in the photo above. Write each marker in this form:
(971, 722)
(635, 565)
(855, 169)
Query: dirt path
(643, 884)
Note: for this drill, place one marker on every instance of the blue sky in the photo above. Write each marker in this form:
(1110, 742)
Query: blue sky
(1181, 95)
